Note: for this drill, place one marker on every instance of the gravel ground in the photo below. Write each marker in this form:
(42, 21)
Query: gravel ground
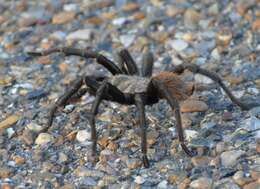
(221, 36)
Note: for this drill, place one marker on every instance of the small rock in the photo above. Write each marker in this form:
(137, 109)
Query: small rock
(242, 6)
(133, 163)
(62, 157)
(28, 137)
(95, 20)
(240, 178)
(127, 40)
(19, 160)
(190, 134)
(138, 15)
(256, 25)
(184, 184)
(227, 116)
(68, 186)
(83, 34)
(163, 184)
(83, 135)
(252, 185)
(191, 18)
(130, 7)
(173, 11)
(194, 106)
(10, 132)
(202, 183)
(202, 79)
(223, 37)
(63, 17)
(44, 138)
(72, 135)
(200, 161)
(44, 60)
(34, 127)
(229, 158)
(152, 136)
(85, 172)
(139, 180)
(9, 121)
(179, 45)
(6, 172)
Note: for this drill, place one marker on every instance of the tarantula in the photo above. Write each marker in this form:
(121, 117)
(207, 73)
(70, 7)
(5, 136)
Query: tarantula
(128, 85)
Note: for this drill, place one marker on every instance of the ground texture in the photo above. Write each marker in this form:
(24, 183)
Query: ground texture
(221, 36)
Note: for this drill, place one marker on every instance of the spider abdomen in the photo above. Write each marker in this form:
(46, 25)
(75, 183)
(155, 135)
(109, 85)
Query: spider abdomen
(176, 86)
(130, 84)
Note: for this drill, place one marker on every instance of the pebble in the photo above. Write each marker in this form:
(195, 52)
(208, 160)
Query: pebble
(191, 18)
(63, 17)
(194, 106)
(34, 127)
(44, 138)
(83, 135)
(127, 40)
(6, 172)
(139, 180)
(82, 34)
(179, 45)
(229, 158)
(163, 184)
(201, 183)
(28, 137)
(9, 121)
(200, 161)
(252, 185)
(133, 163)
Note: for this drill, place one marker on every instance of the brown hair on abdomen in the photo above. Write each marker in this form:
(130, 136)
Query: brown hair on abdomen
(178, 88)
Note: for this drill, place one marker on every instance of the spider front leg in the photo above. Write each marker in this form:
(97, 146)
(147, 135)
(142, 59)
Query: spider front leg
(64, 99)
(67, 51)
(163, 90)
(141, 109)
(215, 77)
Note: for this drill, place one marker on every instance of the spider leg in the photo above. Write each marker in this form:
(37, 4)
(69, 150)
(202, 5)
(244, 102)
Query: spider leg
(141, 109)
(129, 62)
(108, 64)
(147, 64)
(176, 108)
(64, 99)
(94, 110)
(215, 77)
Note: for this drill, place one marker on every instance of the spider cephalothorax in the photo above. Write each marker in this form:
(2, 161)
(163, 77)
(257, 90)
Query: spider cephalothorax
(128, 85)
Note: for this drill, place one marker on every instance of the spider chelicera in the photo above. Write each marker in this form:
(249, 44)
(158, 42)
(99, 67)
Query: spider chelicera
(131, 86)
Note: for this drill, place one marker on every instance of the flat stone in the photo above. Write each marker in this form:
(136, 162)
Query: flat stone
(229, 158)
(200, 161)
(179, 45)
(83, 135)
(129, 7)
(194, 106)
(201, 183)
(63, 17)
(82, 34)
(133, 163)
(6, 172)
(28, 137)
(34, 127)
(9, 121)
(191, 18)
(252, 185)
(139, 180)
(44, 138)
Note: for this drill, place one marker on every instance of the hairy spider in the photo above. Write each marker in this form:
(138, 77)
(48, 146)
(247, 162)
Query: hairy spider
(128, 85)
